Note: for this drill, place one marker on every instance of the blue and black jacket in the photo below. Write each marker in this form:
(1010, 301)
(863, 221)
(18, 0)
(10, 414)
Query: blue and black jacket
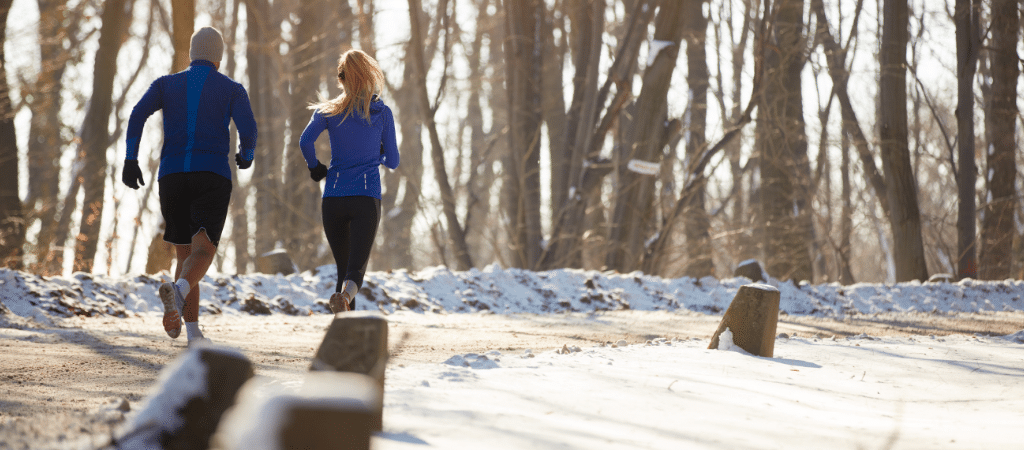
(198, 105)
(359, 145)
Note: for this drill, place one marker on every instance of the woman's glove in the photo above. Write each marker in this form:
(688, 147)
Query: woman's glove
(319, 172)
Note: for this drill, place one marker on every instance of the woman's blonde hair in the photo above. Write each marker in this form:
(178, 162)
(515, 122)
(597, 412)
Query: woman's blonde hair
(360, 78)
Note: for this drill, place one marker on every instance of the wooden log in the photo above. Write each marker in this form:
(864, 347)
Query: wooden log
(752, 317)
(186, 405)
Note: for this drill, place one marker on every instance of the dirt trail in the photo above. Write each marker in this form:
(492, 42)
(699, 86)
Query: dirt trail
(54, 380)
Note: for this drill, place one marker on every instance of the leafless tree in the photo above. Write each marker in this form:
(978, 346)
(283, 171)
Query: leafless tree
(95, 135)
(901, 186)
(522, 163)
(968, 44)
(1001, 111)
(456, 234)
(697, 222)
(12, 225)
(782, 142)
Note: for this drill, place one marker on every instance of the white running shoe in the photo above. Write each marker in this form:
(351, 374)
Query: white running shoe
(174, 303)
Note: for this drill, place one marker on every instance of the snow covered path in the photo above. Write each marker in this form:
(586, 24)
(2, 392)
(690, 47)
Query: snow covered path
(860, 393)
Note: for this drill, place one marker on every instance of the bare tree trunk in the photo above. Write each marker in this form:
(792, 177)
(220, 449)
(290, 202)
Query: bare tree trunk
(904, 212)
(482, 143)
(967, 46)
(743, 246)
(783, 144)
(552, 103)
(522, 166)
(845, 217)
(397, 235)
(697, 223)
(581, 221)
(266, 177)
(835, 57)
(365, 12)
(455, 230)
(45, 127)
(304, 233)
(12, 225)
(634, 204)
(95, 137)
(184, 20)
(239, 214)
(997, 228)
(585, 37)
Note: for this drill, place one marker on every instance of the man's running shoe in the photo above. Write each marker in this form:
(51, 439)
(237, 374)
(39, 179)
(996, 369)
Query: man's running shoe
(173, 304)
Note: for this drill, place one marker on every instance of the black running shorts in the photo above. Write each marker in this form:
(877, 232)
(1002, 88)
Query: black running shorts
(194, 201)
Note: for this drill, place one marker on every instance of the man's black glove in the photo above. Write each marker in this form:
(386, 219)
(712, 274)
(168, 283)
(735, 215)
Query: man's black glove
(131, 175)
(319, 172)
(242, 162)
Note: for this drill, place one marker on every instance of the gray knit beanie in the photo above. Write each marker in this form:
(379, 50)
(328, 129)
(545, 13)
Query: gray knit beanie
(207, 44)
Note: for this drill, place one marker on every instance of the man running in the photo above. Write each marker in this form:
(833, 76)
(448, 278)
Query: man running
(195, 176)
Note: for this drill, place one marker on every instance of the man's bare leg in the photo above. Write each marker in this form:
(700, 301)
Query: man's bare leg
(193, 269)
(191, 312)
(193, 261)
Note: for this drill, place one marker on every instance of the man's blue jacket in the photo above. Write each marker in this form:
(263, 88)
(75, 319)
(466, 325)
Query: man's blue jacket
(198, 105)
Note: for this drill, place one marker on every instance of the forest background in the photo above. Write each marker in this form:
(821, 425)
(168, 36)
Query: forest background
(832, 140)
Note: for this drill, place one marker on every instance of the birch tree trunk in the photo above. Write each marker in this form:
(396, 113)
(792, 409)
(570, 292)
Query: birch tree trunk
(997, 228)
(95, 136)
(901, 186)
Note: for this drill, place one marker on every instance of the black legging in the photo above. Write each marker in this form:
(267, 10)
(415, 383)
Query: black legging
(350, 224)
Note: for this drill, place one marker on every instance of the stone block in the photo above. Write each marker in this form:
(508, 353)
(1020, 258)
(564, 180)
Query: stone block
(752, 317)
(750, 269)
(330, 411)
(274, 262)
(357, 342)
(186, 405)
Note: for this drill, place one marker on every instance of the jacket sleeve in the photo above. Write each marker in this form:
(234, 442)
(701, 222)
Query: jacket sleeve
(241, 113)
(151, 102)
(389, 146)
(317, 124)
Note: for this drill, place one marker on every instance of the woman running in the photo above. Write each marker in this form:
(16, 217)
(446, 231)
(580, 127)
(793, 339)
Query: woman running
(362, 132)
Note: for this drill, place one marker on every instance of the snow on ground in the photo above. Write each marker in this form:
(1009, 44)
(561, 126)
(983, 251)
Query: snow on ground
(493, 289)
(861, 392)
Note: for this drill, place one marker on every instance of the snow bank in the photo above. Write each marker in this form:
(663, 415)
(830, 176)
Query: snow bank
(493, 289)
